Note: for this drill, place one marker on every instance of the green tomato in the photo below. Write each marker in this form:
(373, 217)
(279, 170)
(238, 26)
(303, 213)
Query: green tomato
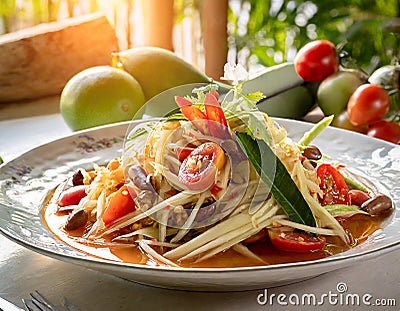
(334, 92)
(342, 120)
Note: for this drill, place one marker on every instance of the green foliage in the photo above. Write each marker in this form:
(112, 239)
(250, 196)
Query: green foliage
(276, 29)
(24, 13)
(7, 6)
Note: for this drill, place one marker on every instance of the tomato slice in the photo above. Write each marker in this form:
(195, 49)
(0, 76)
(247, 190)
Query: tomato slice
(182, 102)
(216, 117)
(333, 186)
(73, 195)
(358, 197)
(183, 152)
(215, 190)
(193, 114)
(214, 93)
(212, 122)
(197, 117)
(213, 109)
(198, 171)
(121, 203)
(295, 242)
(256, 238)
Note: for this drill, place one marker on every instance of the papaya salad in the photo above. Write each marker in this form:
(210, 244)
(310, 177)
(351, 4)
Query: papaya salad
(218, 183)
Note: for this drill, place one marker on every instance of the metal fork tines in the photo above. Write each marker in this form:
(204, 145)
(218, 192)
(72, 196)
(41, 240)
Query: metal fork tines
(38, 303)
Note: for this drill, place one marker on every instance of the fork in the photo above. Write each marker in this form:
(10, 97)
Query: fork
(39, 303)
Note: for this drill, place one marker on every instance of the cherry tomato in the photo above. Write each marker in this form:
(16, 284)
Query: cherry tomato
(72, 196)
(121, 203)
(342, 120)
(358, 197)
(389, 131)
(333, 186)
(316, 60)
(368, 104)
(198, 171)
(292, 241)
(334, 91)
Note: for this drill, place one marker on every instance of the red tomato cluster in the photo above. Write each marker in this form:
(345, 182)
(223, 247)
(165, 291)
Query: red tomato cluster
(357, 105)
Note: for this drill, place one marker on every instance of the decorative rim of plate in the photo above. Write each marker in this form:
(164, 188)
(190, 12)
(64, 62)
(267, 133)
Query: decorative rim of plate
(343, 257)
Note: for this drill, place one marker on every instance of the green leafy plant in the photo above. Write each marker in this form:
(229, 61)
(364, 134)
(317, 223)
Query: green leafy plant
(271, 31)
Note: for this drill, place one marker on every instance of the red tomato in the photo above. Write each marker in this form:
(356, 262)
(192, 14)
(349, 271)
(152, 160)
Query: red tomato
(183, 152)
(333, 186)
(120, 204)
(368, 104)
(214, 93)
(291, 241)
(199, 169)
(342, 120)
(193, 114)
(389, 131)
(213, 109)
(216, 117)
(316, 60)
(257, 237)
(358, 197)
(215, 190)
(182, 102)
(197, 117)
(72, 196)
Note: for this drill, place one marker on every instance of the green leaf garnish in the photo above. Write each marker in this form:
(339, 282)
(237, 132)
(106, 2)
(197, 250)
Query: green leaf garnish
(257, 128)
(205, 89)
(344, 210)
(256, 96)
(282, 186)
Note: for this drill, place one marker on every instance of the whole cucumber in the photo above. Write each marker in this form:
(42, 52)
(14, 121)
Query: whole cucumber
(293, 103)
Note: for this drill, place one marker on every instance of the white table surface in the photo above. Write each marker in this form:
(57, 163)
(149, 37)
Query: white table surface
(22, 270)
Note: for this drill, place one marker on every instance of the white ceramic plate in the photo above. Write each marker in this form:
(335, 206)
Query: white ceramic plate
(25, 181)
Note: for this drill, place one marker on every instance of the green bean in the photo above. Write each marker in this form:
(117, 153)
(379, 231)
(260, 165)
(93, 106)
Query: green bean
(309, 136)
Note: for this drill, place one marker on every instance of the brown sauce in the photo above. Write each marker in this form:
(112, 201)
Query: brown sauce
(358, 226)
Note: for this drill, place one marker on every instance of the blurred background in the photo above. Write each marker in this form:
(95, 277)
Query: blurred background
(254, 33)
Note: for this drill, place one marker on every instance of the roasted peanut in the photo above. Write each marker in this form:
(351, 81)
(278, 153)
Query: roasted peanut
(77, 178)
(312, 152)
(377, 205)
(76, 220)
(139, 178)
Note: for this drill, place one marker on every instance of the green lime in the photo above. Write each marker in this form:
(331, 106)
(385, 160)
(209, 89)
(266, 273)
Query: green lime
(100, 95)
